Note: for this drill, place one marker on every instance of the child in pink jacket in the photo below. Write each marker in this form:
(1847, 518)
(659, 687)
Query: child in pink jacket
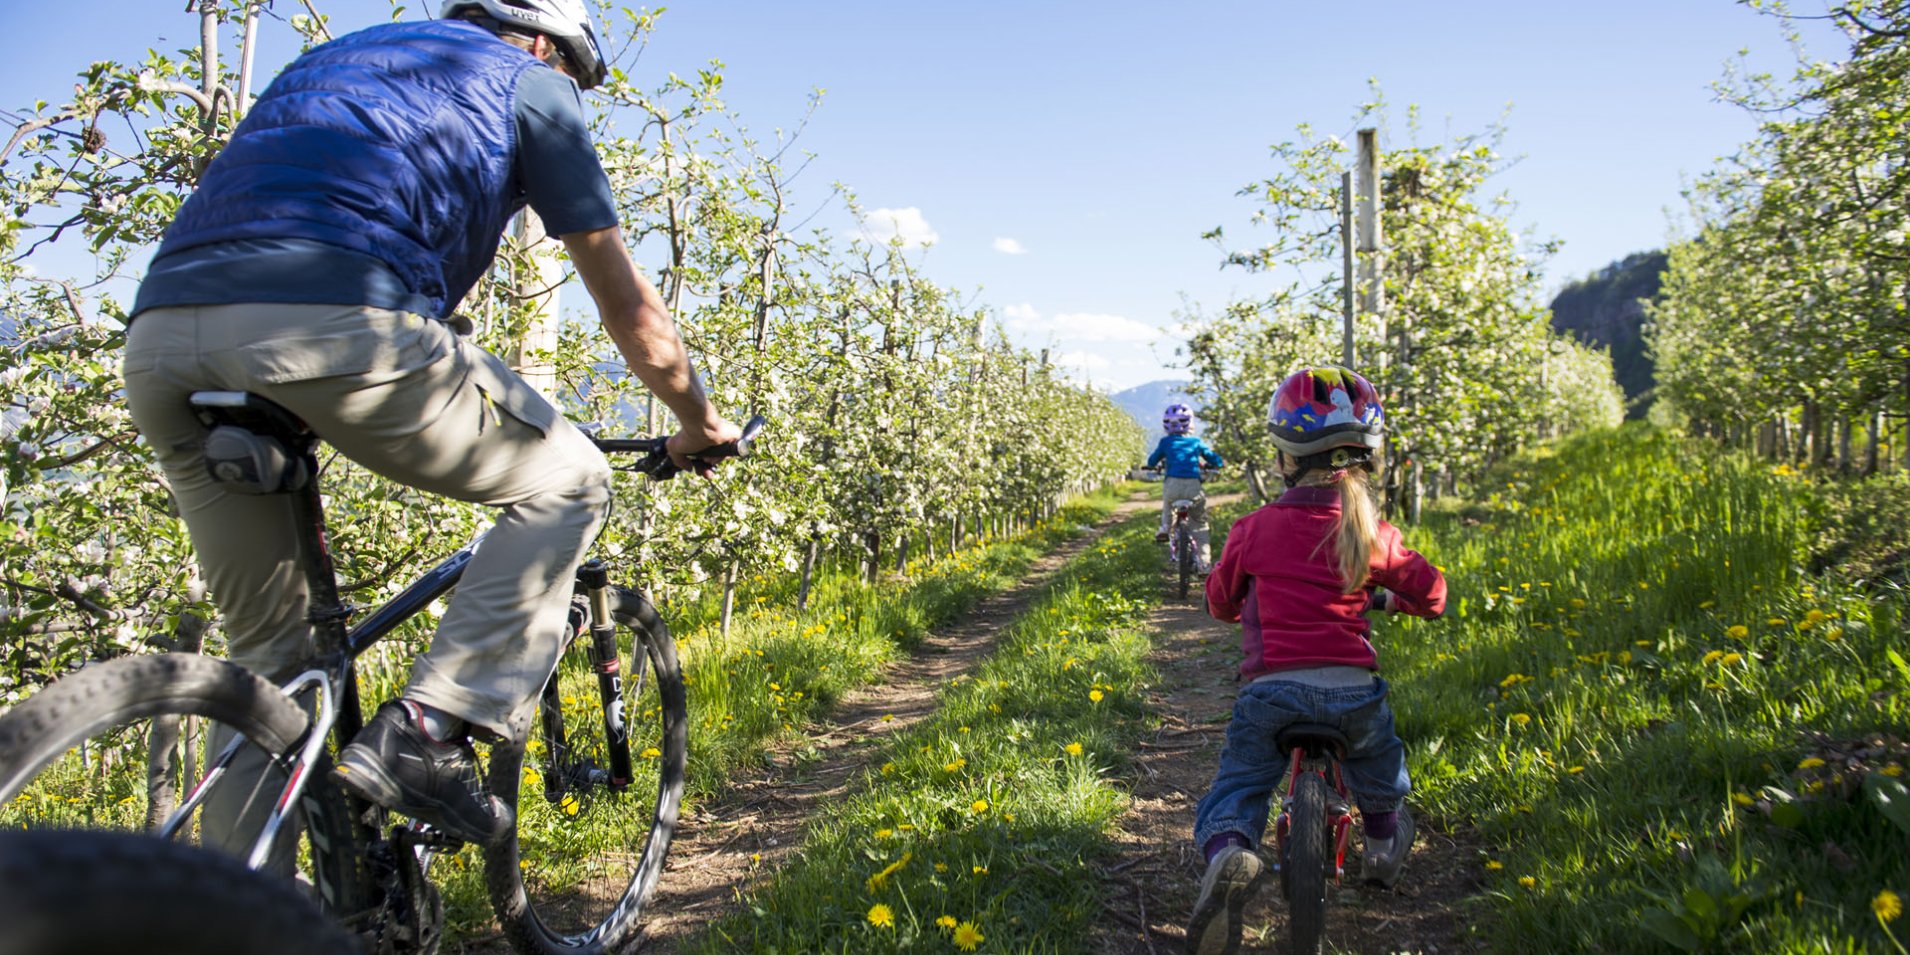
(1299, 576)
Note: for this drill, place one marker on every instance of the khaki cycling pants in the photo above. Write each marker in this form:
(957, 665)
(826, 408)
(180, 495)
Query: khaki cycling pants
(1188, 489)
(405, 397)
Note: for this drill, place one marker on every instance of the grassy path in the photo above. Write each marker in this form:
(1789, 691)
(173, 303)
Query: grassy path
(732, 843)
(982, 826)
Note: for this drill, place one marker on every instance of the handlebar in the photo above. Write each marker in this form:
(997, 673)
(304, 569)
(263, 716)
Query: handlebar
(656, 457)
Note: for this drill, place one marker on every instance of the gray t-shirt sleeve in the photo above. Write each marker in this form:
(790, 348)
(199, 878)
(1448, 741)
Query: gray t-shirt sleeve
(557, 165)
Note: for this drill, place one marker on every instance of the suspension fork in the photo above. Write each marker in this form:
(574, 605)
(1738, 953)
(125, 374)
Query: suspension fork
(595, 577)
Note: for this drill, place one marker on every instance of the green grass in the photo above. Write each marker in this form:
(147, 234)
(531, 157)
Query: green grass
(1630, 697)
(776, 671)
(989, 817)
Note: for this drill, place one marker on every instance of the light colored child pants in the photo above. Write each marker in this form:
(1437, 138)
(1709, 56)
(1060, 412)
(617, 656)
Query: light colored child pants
(407, 398)
(1189, 489)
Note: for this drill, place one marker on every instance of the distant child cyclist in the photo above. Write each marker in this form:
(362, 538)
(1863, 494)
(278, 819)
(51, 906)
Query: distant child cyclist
(1184, 455)
(1296, 575)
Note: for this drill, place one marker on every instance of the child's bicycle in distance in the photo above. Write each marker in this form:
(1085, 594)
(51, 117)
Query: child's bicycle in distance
(145, 742)
(1182, 551)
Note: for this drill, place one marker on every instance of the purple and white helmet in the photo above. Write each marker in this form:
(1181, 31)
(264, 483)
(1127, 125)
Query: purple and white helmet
(1177, 419)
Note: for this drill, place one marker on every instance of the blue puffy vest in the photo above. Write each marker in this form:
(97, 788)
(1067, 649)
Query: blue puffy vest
(395, 141)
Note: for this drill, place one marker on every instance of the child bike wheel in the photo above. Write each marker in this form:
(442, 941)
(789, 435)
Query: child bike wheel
(1305, 867)
(1184, 543)
(586, 854)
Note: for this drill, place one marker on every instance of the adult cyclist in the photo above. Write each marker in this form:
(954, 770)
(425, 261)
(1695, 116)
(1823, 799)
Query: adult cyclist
(318, 264)
(1183, 455)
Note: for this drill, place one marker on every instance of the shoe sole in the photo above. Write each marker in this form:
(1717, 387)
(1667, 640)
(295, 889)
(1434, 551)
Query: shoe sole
(1209, 934)
(368, 779)
(1407, 826)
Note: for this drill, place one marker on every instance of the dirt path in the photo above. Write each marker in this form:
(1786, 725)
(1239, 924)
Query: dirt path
(730, 844)
(1154, 880)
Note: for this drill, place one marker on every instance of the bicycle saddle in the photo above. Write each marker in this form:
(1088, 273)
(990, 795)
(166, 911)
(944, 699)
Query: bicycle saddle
(1315, 738)
(253, 445)
(1183, 503)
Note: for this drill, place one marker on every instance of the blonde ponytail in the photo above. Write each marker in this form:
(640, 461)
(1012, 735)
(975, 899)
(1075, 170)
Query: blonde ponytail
(1358, 532)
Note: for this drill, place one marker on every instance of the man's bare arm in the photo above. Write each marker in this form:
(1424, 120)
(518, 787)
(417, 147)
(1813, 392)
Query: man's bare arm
(636, 319)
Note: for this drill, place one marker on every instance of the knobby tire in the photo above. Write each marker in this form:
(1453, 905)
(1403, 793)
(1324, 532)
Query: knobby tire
(66, 892)
(1184, 544)
(549, 919)
(1305, 867)
(40, 737)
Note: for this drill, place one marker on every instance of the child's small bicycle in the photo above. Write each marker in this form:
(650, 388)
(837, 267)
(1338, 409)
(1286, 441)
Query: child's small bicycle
(1313, 817)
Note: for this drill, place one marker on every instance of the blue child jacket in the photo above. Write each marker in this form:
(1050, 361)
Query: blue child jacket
(1183, 454)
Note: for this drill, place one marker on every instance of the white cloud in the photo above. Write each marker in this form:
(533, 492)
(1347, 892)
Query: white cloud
(1007, 246)
(1081, 362)
(907, 223)
(1074, 327)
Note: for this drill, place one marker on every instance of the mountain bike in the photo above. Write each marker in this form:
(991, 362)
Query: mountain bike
(1312, 829)
(156, 742)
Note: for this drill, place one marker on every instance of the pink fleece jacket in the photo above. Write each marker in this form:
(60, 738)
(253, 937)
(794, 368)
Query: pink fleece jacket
(1284, 588)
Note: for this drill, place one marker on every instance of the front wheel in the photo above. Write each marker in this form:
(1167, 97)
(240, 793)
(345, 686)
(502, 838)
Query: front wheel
(65, 892)
(1304, 869)
(587, 851)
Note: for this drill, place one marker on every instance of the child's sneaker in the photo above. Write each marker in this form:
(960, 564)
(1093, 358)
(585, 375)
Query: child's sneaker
(1386, 857)
(1230, 882)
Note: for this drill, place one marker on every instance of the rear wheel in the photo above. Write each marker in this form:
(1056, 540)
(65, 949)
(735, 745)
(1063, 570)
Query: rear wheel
(76, 893)
(1304, 870)
(120, 745)
(1184, 544)
(586, 854)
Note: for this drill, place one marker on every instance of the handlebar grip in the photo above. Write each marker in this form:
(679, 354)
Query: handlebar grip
(738, 448)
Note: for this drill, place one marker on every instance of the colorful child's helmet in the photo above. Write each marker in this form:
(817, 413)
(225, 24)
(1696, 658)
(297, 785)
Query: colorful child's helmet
(1317, 409)
(1177, 419)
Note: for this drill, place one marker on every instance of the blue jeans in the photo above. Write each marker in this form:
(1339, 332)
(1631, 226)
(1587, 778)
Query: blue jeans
(1252, 767)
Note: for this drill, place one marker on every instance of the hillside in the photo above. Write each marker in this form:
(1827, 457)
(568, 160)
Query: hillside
(1145, 402)
(1607, 310)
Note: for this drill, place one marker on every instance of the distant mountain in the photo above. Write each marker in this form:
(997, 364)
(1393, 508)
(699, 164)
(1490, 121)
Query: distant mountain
(1607, 309)
(1146, 402)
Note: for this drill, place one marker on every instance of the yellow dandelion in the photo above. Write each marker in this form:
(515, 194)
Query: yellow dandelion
(1521, 718)
(1887, 906)
(1494, 865)
(1074, 749)
(1774, 621)
(884, 833)
(1730, 659)
(941, 867)
(1575, 770)
(1894, 769)
(980, 805)
(887, 717)
(946, 921)
(1707, 605)
(1809, 762)
(1738, 632)
(979, 870)
(1834, 633)
(1712, 657)
(1815, 616)
(1742, 799)
(1095, 695)
(888, 767)
(967, 936)
(570, 805)
(881, 916)
(652, 752)
(1528, 881)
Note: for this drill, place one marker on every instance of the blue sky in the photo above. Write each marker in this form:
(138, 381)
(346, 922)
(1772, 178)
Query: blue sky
(1068, 155)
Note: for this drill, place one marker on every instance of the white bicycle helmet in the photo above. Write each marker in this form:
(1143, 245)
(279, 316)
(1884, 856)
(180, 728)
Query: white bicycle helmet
(566, 22)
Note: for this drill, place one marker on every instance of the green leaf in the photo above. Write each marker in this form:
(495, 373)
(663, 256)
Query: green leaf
(1892, 798)
(1896, 660)
(1672, 929)
(1700, 903)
